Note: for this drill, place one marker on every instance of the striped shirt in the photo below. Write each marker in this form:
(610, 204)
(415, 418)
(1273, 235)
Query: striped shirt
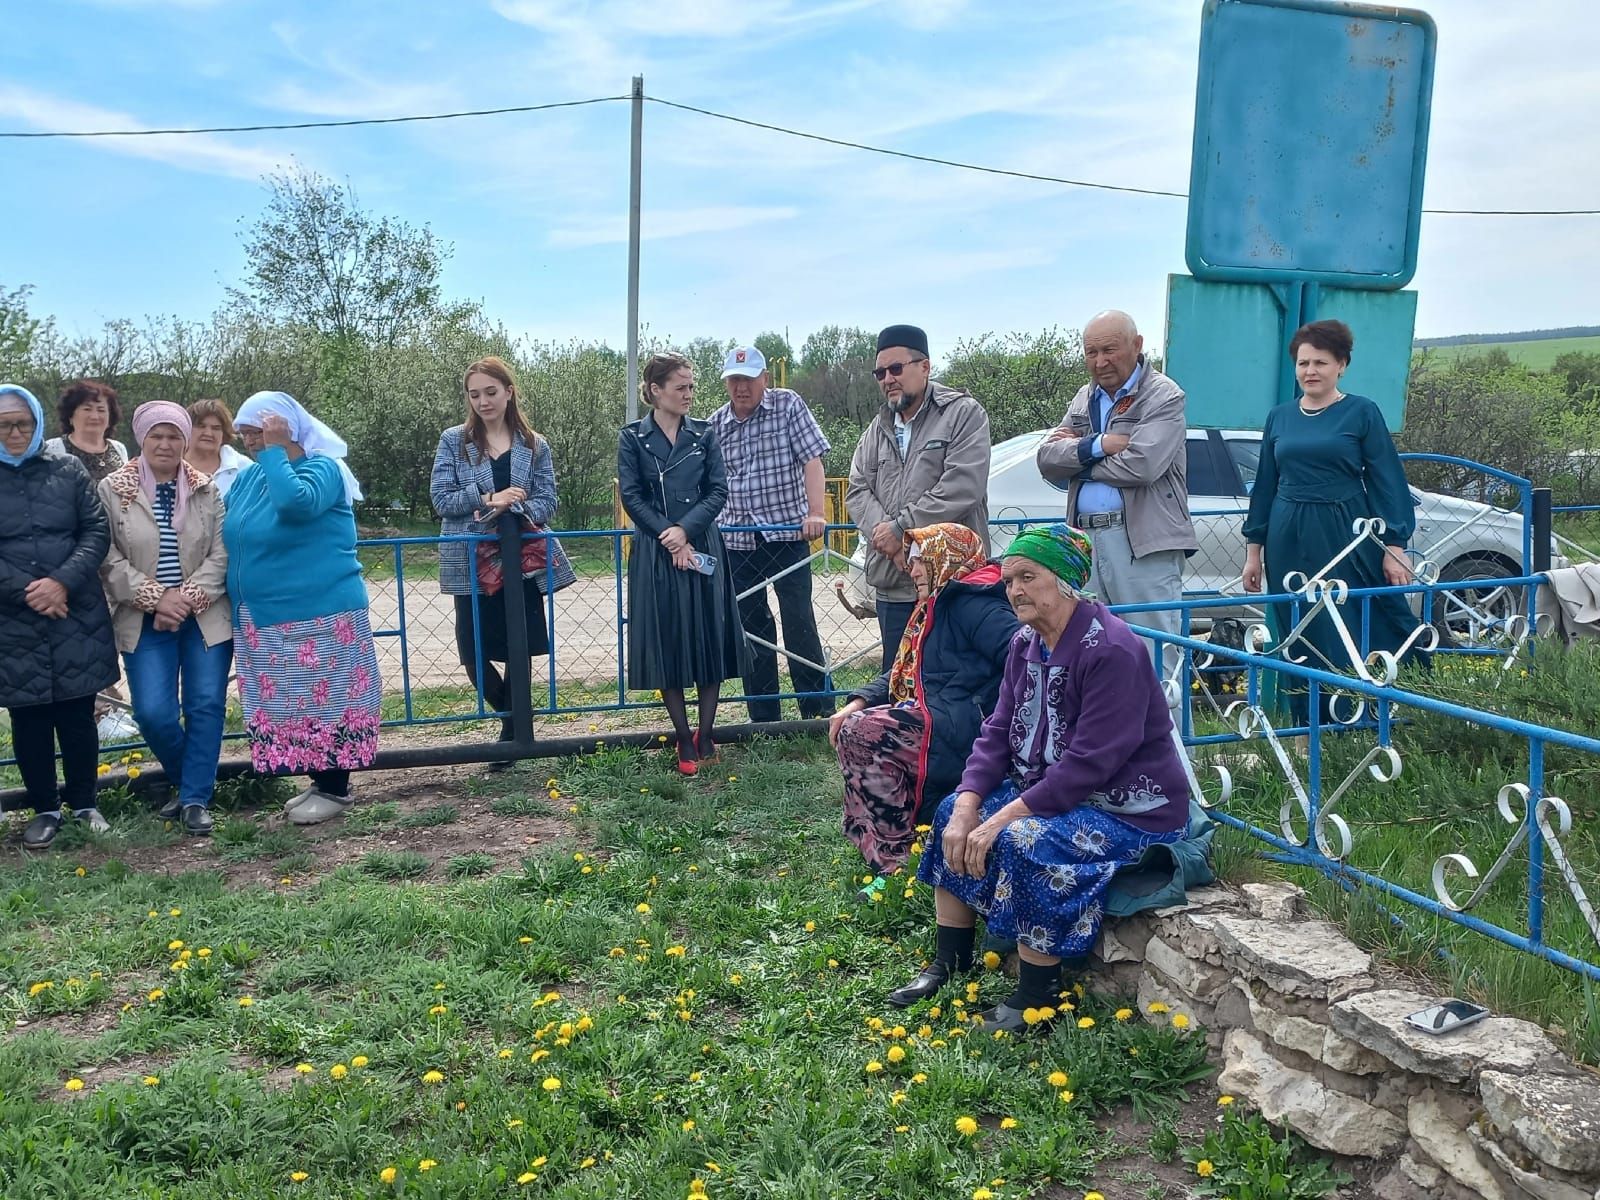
(766, 455)
(169, 568)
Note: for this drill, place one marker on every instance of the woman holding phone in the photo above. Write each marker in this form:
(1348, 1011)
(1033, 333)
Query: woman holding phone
(683, 619)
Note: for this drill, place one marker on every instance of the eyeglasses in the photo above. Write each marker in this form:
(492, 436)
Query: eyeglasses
(894, 368)
(7, 428)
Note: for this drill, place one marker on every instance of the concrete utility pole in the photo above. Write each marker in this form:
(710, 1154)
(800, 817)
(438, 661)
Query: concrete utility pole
(633, 246)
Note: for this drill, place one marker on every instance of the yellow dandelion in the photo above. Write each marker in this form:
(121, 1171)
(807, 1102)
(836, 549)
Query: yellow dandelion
(524, 941)
(387, 1175)
(1157, 1009)
(299, 1176)
(1085, 1022)
(303, 1068)
(80, 872)
(103, 769)
(585, 1023)
(431, 1077)
(1179, 1021)
(966, 1126)
(551, 1084)
(688, 1125)
(246, 1001)
(151, 1080)
(73, 1085)
(42, 986)
(991, 960)
(1093, 1196)
(359, 1061)
(982, 1193)
(175, 945)
(203, 952)
(642, 909)
(1204, 1169)
(1224, 1101)
(1030, 1016)
(539, 1162)
(811, 926)
(1066, 1096)
(934, 1012)
(874, 1067)
(920, 1077)
(676, 951)
(896, 1054)
(1008, 1122)
(338, 1071)
(427, 1164)
(1123, 1014)
(438, 1010)
(134, 772)
(1059, 1079)
(897, 1098)
(586, 1163)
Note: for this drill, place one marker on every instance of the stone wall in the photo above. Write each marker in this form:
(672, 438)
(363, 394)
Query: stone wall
(1310, 1035)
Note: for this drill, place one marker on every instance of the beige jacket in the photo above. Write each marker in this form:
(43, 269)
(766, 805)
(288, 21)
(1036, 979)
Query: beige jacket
(1151, 473)
(945, 477)
(129, 571)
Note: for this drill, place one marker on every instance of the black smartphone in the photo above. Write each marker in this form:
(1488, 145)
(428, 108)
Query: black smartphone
(1447, 1016)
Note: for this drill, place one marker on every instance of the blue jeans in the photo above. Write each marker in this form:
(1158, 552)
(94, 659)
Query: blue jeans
(176, 672)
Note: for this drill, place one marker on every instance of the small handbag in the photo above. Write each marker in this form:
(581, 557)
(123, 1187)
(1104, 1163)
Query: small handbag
(491, 571)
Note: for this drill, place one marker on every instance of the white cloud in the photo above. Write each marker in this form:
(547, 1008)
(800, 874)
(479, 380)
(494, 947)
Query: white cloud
(203, 153)
(657, 224)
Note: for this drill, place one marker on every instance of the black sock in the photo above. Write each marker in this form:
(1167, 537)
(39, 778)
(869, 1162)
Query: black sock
(1037, 986)
(954, 946)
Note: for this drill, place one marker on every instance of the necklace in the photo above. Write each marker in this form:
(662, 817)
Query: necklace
(1315, 412)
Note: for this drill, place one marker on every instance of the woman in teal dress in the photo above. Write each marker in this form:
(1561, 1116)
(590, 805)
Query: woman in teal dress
(1325, 462)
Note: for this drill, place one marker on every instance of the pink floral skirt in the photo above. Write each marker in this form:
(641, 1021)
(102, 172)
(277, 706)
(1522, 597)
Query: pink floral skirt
(310, 691)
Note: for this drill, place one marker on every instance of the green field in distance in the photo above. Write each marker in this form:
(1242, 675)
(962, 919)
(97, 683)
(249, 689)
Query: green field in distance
(1537, 355)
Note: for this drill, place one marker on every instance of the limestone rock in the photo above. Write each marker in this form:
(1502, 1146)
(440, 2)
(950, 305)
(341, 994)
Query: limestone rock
(1557, 1117)
(1274, 901)
(1314, 1040)
(1446, 1143)
(1311, 958)
(1194, 935)
(1327, 1119)
(1377, 1021)
(1193, 978)
(1409, 1179)
(1122, 941)
(1532, 1185)
(1152, 990)
(1201, 900)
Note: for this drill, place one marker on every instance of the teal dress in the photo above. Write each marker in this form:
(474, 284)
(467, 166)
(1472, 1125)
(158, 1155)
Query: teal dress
(1317, 475)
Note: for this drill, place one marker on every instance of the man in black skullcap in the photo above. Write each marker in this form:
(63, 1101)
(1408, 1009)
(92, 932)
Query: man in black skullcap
(924, 459)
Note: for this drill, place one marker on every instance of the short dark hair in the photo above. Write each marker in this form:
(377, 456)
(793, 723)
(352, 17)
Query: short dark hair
(660, 368)
(78, 393)
(1334, 337)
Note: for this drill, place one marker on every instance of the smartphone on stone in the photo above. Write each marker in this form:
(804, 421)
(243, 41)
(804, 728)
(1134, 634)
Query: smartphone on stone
(1447, 1016)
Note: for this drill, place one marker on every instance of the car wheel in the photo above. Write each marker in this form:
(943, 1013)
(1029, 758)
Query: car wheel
(1490, 605)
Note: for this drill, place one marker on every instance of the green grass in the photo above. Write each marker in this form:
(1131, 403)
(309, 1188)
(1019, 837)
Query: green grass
(1536, 355)
(681, 989)
(1445, 802)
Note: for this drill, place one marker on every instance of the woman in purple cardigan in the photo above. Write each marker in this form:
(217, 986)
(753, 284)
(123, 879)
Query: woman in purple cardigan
(1075, 773)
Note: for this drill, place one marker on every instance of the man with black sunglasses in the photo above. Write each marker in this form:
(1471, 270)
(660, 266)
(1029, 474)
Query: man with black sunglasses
(923, 460)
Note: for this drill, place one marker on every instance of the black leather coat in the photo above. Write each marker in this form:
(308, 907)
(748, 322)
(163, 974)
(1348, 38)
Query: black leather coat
(51, 523)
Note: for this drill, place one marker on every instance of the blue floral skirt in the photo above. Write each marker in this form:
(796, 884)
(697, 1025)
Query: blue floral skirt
(1047, 877)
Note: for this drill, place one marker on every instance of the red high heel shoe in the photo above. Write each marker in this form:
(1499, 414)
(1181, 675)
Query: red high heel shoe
(686, 766)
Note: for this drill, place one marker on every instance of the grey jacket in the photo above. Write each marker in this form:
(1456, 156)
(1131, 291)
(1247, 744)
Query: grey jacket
(945, 477)
(1151, 472)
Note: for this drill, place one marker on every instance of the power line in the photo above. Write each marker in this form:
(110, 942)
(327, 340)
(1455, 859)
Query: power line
(706, 112)
(1107, 187)
(445, 116)
(927, 158)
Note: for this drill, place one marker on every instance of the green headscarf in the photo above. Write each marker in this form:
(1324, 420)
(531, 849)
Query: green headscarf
(1060, 549)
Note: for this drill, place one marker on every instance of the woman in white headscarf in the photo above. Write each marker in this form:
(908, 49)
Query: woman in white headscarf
(307, 668)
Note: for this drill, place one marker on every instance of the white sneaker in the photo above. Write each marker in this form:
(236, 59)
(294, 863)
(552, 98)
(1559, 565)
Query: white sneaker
(319, 807)
(117, 727)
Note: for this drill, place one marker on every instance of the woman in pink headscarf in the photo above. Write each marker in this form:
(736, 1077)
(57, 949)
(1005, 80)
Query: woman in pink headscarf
(165, 578)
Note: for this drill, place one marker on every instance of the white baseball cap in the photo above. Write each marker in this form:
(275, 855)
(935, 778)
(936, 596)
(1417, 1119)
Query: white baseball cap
(744, 360)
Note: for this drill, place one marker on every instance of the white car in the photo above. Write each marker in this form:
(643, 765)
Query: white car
(1465, 539)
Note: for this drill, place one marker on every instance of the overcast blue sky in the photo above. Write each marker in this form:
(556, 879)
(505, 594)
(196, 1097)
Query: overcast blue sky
(745, 230)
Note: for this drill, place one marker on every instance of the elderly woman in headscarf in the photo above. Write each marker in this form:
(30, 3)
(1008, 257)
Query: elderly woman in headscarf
(166, 578)
(307, 667)
(1076, 772)
(55, 633)
(904, 738)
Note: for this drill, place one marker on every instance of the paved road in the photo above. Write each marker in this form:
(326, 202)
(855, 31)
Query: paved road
(585, 632)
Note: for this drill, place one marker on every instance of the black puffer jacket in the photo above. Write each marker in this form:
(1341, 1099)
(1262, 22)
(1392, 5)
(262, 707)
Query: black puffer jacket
(51, 523)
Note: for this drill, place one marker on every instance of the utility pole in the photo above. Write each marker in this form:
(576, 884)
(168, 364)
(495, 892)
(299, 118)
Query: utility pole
(637, 170)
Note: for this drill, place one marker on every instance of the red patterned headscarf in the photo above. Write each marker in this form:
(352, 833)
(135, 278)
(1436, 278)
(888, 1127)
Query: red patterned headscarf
(948, 552)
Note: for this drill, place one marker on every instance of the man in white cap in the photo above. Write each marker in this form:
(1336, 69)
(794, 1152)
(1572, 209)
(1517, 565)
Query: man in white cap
(773, 450)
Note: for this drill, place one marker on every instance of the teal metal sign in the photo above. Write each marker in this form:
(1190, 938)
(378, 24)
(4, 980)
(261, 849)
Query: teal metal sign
(1311, 134)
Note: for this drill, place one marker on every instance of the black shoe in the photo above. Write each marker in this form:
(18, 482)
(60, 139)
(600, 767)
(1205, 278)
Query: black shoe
(1003, 1017)
(42, 830)
(197, 820)
(171, 808)
(931, 978)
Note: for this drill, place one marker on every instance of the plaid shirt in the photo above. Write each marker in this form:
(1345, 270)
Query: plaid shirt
(766, 455)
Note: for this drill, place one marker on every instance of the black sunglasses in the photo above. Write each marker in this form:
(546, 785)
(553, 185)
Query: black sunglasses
(894, 368)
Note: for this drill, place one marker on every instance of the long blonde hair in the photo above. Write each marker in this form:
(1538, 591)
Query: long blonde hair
(477, 433)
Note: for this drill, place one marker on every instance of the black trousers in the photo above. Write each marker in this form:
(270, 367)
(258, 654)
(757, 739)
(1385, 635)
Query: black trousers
(36, 729)
(893, 617)
(755, 569)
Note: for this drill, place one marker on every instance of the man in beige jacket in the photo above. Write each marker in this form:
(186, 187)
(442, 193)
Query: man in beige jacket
(924, 459)
(1120, 453)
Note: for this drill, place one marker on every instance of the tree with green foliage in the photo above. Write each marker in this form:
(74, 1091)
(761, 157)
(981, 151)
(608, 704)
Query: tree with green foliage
(1024, 380)
(20, 332)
